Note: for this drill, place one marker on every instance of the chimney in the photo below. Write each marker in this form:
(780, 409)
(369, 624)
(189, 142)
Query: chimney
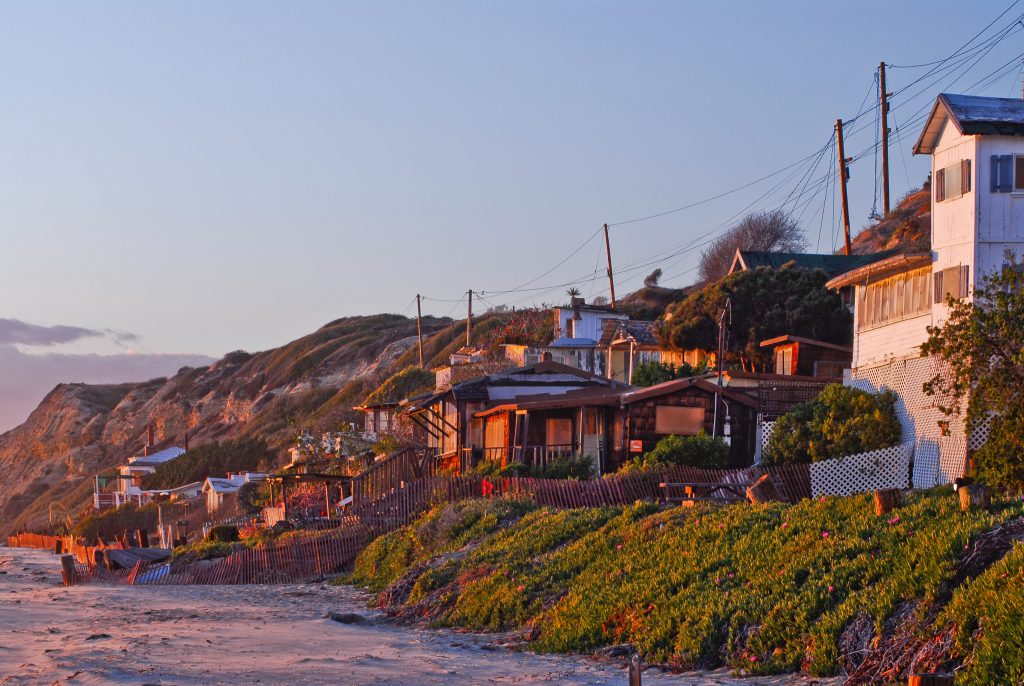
(148, 450)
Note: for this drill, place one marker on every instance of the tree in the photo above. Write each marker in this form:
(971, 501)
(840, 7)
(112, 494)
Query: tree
(981, 345)
(840, 421)
(773, 231)
(651, 373)
(652, 279)
(765, 303)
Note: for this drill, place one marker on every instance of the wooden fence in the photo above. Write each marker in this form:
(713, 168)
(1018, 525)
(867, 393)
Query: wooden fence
(313, 554)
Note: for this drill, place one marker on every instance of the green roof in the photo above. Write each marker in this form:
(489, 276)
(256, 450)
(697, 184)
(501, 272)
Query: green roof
(833, 265)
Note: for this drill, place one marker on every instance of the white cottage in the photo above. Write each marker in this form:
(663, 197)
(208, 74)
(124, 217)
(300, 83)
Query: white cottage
(977, 149)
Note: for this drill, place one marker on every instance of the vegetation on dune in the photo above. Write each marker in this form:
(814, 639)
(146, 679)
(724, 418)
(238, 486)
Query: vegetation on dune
(841, 421)
(988, 620)
(212, 459)
(763, 589)
(107, 524)
(400, 385)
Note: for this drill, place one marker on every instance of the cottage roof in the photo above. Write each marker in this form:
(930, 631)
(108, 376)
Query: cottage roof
(641, 333)
(593, 396)
(566, 342)
(880, 268)
(828, 263)
(231, 483)
(157, 458)
(971, 115)
(677, 385)
(805, 341)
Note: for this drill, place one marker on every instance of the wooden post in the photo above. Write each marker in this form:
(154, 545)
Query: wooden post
(142, 537)
(469, 318)
(635, 670)
(611, 277)
(974, 497)
(419, 329)
(887, 500)
(70, 574)
(843, 178)
(884, 100)
(763, 491)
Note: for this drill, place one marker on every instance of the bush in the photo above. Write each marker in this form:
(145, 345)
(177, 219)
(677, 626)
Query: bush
(999, 461)
(840, 421)
(110, 523)
(652, 373)
(561, 468)
(212, 459)
(694, 451)
(223, 534)
(253, 496)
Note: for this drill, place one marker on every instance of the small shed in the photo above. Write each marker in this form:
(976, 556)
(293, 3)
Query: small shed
(797, 356)
(686, 407)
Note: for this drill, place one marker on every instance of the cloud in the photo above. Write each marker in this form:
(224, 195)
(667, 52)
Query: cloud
(17, 332)
(25, 378)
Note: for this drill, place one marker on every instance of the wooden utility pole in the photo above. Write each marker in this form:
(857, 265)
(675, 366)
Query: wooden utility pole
(844, 175)
(884, 99)
(419, 327)
(469, 319)
(611, 278)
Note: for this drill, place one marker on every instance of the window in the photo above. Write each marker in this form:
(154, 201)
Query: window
(784, 359)
(1001, 174)
(830, 369)
(681, 421)
(898, 297)
(953, 181)
(1018, 168)
(952, 281)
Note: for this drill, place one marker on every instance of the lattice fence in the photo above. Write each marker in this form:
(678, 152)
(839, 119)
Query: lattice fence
(937, 458)
(886, 468)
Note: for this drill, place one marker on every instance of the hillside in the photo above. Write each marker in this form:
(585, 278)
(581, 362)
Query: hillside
(907, 226)
(80, 430)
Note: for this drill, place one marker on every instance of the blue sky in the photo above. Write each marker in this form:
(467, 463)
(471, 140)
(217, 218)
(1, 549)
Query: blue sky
(218, 175)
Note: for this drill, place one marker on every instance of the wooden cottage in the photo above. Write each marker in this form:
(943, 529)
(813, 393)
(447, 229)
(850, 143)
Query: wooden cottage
(797, 356)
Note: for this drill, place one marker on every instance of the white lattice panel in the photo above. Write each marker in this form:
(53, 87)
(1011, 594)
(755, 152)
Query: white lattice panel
(886, 468)
(936, 458)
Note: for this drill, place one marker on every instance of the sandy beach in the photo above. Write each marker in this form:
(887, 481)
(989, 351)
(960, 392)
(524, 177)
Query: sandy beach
(256, 634)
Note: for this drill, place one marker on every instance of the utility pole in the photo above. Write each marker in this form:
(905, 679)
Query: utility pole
(611, 278)
(419, 327)
(844, 175)
(469, 319)
(722, 326)
(884, 96)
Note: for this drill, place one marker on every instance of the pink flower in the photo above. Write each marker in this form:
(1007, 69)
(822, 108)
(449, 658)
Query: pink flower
(823, 499)
(721, 526)
(831, 588)
(618, 547)
(785, 524)
(520, 588)
(718, 580)
(895, 520)
(753, 658)
(824, 534)
(730, 575)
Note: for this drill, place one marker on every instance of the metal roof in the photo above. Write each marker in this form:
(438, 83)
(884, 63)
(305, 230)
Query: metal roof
(566, 342)
(972, 115)
(832, 265)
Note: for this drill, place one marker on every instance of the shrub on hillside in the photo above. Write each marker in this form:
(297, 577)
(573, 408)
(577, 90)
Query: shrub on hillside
(652, 373)
(107, 524)
(212, 459)
(223, 534)
(840, 421)
(693, 451)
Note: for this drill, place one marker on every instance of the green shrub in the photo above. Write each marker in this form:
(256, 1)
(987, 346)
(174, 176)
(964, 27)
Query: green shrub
(110, 523)
(695, 451)
(223, 534)
(652, 373)
(1000, 460)
(840, 421)
(764, 589)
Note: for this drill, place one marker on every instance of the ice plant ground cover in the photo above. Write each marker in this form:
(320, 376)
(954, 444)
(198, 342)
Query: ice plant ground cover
(763, 589)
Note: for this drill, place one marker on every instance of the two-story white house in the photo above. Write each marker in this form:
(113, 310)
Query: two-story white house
(977, 149)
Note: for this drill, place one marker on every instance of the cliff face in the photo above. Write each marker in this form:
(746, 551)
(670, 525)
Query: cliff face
(79, 430)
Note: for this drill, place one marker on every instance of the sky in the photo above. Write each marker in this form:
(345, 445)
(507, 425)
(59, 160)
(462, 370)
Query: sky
(184, 179)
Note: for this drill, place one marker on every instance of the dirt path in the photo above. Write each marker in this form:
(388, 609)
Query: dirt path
(250, 635)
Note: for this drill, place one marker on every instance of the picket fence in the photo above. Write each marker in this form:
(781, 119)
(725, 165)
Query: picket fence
(305, 555)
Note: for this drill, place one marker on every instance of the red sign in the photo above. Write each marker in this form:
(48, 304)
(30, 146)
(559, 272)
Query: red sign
(636, 446)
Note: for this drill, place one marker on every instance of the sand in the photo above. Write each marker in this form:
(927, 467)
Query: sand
(256, 635)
